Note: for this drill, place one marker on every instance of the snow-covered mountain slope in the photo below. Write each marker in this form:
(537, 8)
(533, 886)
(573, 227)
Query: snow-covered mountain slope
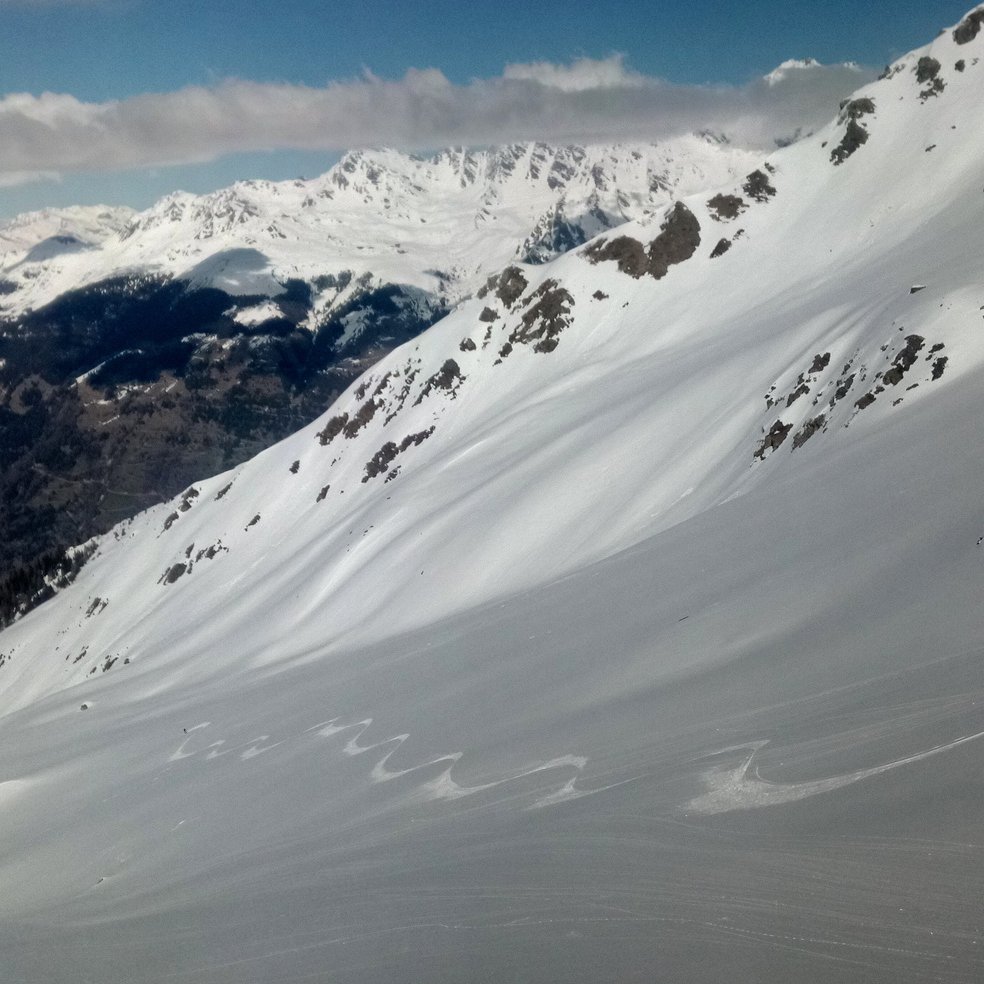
(624, 626)
(440, 224)
(23, 239)
(141, 352)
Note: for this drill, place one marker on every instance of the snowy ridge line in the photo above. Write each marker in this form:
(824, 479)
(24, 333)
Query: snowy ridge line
(380, 213)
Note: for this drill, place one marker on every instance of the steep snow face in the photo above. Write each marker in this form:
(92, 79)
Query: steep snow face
(599, 627)
(321, 279)
(572, 409)
(441, 224)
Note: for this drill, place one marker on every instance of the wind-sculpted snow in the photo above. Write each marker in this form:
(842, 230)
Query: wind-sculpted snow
(743, 788)
(443, 786)
(434, 780)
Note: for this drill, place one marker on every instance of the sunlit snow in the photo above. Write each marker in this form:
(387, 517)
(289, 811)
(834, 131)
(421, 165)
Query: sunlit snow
(607, 677)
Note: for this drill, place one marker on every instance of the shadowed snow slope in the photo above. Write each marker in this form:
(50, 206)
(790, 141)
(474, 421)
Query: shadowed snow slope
(624, 626)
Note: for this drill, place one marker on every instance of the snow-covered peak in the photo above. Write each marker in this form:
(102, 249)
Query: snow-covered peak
(89, 225)
(786, 68)
(439, 223)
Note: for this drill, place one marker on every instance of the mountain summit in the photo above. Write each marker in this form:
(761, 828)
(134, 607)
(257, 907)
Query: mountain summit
(623, 625)
(439, 223)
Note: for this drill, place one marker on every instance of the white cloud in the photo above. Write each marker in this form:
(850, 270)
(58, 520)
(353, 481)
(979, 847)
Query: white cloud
(588, 100)
(585, 73)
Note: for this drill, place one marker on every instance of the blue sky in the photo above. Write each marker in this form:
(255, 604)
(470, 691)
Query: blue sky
(136, 52)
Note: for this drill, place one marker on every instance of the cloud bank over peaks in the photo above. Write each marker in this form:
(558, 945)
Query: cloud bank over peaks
(588, 100)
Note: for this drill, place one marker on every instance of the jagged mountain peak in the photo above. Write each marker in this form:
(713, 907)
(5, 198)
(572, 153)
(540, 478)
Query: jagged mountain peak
(389, 214)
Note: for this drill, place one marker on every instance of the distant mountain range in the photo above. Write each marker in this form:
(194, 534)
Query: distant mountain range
(439, 224)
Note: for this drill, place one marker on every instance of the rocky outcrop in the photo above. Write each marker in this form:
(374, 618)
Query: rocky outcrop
(677, 241)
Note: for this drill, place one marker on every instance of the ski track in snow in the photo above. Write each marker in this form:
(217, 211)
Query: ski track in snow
(742, 788)
(440, 788)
